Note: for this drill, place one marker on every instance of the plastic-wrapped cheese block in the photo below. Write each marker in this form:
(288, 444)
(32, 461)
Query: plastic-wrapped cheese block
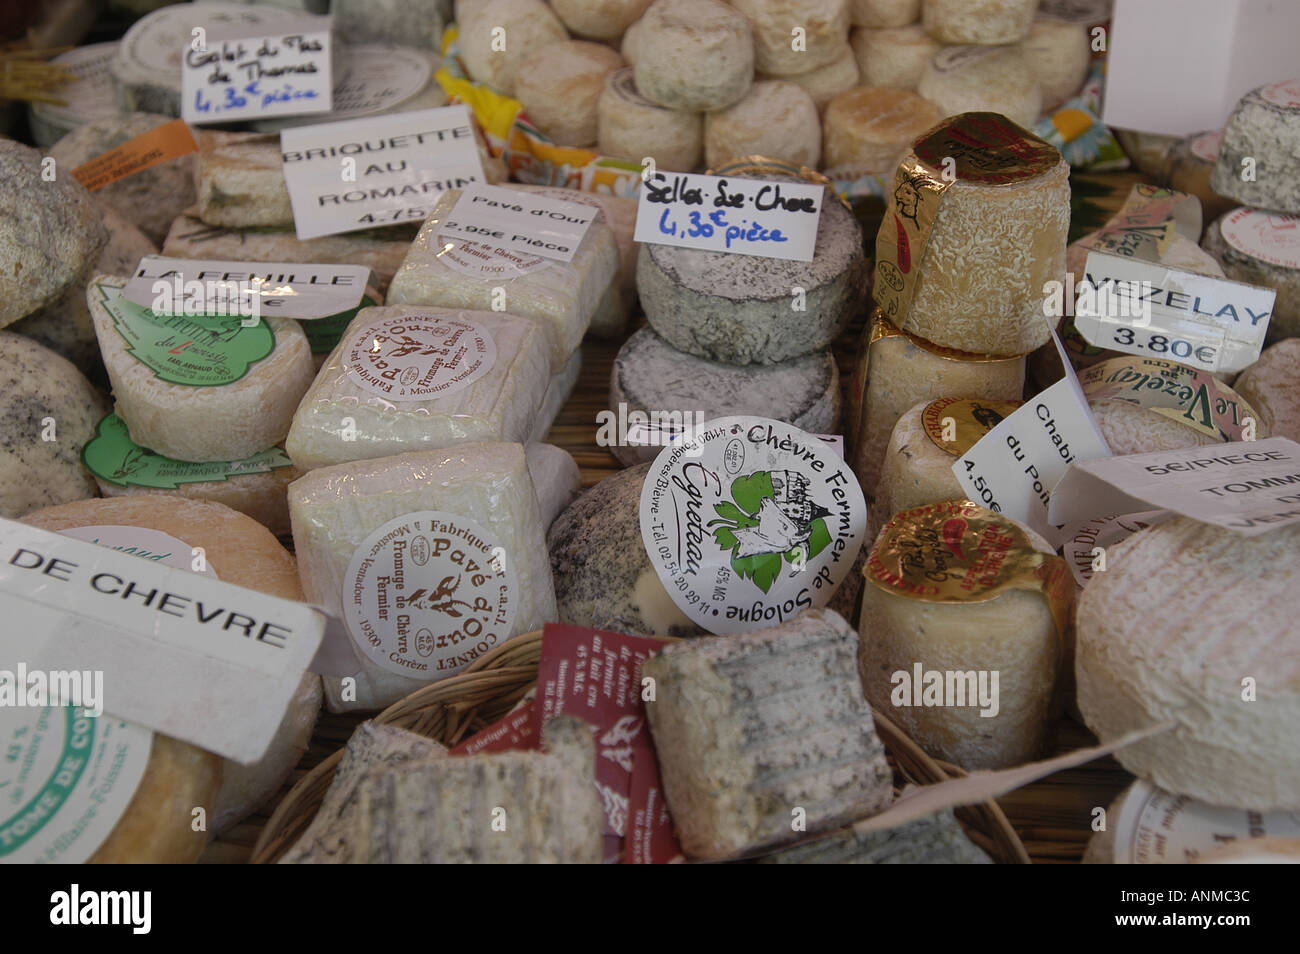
(866, 129)
(825, 26)
(555, 476)
(978, 21)
(694, 54)
(895, 57)
(826, 82)
(603, 577)
(599, 19)
(559, 86)
(963, 259)
(173, 376)
(876, 14)
(969, 672)
(48, 412)
(963, 79)
(409, 378)
(235, 550)
(750, 727)
(630, 127)
(1262, 248)
(1191, 163)
(87, 97)
(528, 26)
(1259, 157)
(50, 233)
(775, 119)
(651, 377)
(417, 23)
(558, 391)
(1272, 387)
(902, 370)
(937, 839)
(150, 198)
(561, 296)
(739, 309)
(1133, 673)
(1059, 54)
(431, 559)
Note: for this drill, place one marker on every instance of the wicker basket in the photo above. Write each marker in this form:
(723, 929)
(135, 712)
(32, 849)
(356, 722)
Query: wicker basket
(455, 708)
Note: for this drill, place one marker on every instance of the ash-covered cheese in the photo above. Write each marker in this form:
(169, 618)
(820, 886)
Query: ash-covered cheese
(631, 127)
(528, 25)
(1262, 248)
(50, 233)
(825, 26)
(694, 54)
(416, 23)
(559, 85)
(558, 391)
(893, 56)
(741, 309)
(1191, 163)
(1184, 614)
(1272, 386)
(775, 119)
(651, 377)
(603, 577)
(877, 14)
(561, 296)
(937, 839)
(1259, 157)
(87, 97)
(999, 79)
(866, 129)
(409, 378)
(599, 19)
(48, 411)
(240, 179)
(173, 376)
(826, 82)
(751, 728)
(984, 22)
(456, 536)
(1137, 430)
(1059, 54)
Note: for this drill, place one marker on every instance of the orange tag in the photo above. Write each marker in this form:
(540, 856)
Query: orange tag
(135, 155)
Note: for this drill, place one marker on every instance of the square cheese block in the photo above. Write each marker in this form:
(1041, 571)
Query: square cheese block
(557, 394)
(562, 296)
(410, 378)
(431, 559)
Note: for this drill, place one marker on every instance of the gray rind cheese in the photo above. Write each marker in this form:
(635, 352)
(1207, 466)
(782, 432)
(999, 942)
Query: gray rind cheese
(748, 728)
(1272, 387)
(694, 54)
(739, 309)
(603, 577)
(37, 387)
(651, 375)
(50, 233)
(1240, 266)
(1259, 157)
(937, 839)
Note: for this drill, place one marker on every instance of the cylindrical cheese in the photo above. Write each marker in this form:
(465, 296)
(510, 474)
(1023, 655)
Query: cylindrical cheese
(823, 84)
(496, 36)
(775, 119)
(88, 96)
(631, 127)
(795, 36)
(895, 56)
(1138, 430)
(694, 54)
(867, 129)
(1259, 158)
(1191, 163)
(1262, 248)
(1059, 54)
(559, 86)
(599, 19)
(1272, 386)
(986, 22)
(630, 48)
(972, 78)
(876, 14)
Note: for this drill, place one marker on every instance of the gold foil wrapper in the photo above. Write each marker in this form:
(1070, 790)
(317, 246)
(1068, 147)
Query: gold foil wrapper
(972, 418)
(882, 327)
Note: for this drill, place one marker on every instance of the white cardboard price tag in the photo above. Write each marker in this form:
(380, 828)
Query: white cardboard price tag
(519, 220)
(722, 214)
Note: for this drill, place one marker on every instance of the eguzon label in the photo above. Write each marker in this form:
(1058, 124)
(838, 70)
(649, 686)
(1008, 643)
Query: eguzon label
(749, 522)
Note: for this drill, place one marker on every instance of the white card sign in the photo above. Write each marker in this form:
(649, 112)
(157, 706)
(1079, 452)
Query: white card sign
(231, 75)
(722, 214)
(521, 221)
(382, 170)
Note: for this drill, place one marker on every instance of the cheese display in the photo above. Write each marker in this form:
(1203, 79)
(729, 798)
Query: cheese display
(1222, 650)
(496, 36)
(655, 383)
(876, 14)
(824, 25)
(1191, 163)
(775, 119)
(978, 21)
(240, 180)
(408, 378)
(1262, 248)
(732, 721)
(995, 79)
(824, 83)
(867, 129)
(631, 127)
(894, 56)
(558, 391)
(963, 260)
(1258, 163)
(560, 296)
(559, 86)
(1272, 387)
(694, 54)
(462, 527)
(555, 477)
(414, 23)
(1059, 53)
(603, 577)
(599, 19)
(740, 309)
(935, 840)
(960, 655)
(88, 97)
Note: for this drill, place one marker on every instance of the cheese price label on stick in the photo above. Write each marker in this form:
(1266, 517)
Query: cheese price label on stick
(231, 75)
(382, 170)
(1247, 486)
(1151, 310)
(181, 652)
(189, 286)
(522, 221)
(721, 214)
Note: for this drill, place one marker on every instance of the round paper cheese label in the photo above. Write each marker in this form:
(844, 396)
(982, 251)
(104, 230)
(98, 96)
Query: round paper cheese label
(1153, 826)
(1285, 93)
(954, 425)
(749, 521)
(480, 260)
(428, 593)
(1268, 236)
(1206, 146)
(153, 545)
(376, 78)
(418, 357)
(1085, 541)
